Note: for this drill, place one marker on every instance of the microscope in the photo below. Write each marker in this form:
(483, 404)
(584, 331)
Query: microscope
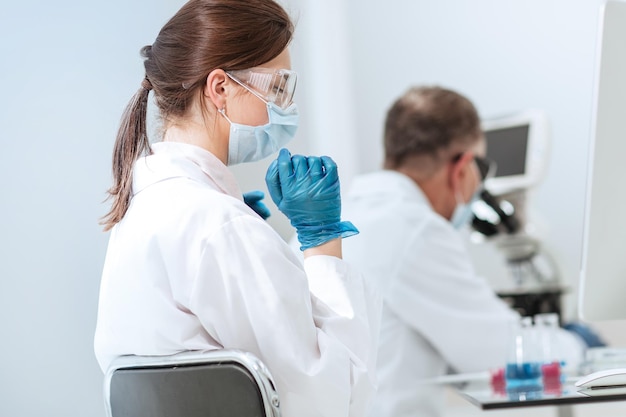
(502, 238)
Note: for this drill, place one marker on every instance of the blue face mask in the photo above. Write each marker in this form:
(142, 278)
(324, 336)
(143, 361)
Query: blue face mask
(463, 211)
(253, 143)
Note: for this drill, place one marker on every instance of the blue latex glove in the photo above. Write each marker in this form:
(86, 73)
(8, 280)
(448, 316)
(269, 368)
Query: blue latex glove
(591, 338)
(306, 190)
(253, 200)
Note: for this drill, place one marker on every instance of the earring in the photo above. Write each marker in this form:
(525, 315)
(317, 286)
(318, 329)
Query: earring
(222, 111)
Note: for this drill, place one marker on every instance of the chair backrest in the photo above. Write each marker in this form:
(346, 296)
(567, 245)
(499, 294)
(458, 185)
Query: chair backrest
(218, 383)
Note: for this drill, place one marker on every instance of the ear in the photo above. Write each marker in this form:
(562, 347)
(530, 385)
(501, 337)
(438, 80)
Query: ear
(217, 88)
(459, 169)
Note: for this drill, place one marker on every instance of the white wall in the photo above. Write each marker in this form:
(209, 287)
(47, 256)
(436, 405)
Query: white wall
(68, 69)
(504, 55)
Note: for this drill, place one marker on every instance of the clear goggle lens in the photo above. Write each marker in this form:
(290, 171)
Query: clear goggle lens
(270, 85)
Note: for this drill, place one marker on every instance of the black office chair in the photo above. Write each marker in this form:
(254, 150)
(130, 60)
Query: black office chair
(218, 383)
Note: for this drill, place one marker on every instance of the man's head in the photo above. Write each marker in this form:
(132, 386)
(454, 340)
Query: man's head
(433, 135)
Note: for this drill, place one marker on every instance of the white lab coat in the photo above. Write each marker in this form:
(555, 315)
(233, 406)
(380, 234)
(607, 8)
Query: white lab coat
(437, 314)
(191, 267)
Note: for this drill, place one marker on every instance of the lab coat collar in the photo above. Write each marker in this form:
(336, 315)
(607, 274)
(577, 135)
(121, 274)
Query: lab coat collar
(175, 159)
(390, 182)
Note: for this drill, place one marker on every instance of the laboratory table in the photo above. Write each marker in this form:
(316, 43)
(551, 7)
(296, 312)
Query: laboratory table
(488, 397)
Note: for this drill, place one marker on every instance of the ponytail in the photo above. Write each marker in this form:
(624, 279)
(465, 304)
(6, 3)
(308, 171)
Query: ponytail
(130, 144)
(202, 36)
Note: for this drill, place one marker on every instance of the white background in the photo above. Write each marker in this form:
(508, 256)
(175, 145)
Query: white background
(68, 69)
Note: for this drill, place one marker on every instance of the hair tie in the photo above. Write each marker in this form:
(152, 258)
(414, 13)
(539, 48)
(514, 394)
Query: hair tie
(146, 84)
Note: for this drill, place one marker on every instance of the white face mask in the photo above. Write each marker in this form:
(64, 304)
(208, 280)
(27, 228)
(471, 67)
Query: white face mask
(253, 143)
(463, 213)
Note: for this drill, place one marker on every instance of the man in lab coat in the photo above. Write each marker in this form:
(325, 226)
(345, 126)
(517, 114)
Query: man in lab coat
(438, 316)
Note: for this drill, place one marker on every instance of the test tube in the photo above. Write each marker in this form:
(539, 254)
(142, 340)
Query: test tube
(547, 325)
(523, 368)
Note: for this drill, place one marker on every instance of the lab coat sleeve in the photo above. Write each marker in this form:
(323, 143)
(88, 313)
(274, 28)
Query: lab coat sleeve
(438, 294)
(252, 293)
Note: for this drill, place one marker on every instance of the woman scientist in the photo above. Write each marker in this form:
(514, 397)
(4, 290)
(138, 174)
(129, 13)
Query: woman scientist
(189, 265)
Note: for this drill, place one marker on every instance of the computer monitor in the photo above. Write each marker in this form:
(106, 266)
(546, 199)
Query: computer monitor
(518, 143)
(602, 289)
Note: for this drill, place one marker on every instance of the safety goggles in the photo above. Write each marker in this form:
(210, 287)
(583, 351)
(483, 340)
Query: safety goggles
(270, 85)
(486, 167)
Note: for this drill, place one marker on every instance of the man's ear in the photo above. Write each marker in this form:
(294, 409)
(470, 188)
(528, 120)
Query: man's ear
(459, 169)
(217, 88)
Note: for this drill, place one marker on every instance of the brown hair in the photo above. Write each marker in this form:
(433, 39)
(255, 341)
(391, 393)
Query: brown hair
(429, 122)
(202, 36)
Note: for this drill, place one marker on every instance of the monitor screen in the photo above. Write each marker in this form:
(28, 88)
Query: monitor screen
(602, 290)
(518, 143)
(508, 148)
